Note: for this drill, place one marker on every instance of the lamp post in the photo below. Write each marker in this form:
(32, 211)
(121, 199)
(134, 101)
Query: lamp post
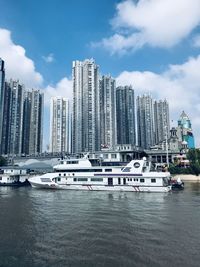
(167, 152)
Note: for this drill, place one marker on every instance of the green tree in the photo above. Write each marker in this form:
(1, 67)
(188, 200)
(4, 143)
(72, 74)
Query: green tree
(195, 168)
(3, 161)
(194, 155)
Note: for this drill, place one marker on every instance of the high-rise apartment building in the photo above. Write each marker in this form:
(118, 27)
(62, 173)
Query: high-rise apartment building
(125, 113)
(161, 118)
(36, 122)
(26, 122)
(7, 111)
(2, 86)
(59, 125)
(22, 120)
(152, 121)
(32, 134)
(16, 118)
(108, 129)
(86, 115)
(145, 121)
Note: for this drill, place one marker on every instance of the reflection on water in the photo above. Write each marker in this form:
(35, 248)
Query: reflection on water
(79, 228)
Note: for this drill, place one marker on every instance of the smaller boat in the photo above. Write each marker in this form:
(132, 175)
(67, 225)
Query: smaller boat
(13, 176)
(177, 184)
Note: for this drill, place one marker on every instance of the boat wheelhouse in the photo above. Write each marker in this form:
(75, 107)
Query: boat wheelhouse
(80, 174)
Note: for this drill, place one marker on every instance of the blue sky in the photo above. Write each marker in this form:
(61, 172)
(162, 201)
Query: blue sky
(152, 44)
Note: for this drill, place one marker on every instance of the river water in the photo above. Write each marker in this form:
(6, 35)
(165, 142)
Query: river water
(76, 228)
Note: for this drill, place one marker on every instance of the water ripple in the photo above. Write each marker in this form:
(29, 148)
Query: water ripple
(72, 228)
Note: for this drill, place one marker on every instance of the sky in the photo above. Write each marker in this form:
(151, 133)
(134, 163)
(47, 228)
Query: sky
(153, 45)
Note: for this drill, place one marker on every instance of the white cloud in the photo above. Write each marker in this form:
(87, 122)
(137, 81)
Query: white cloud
(17, 64)
(180, 85)
(62, 88)
(157, 23)
(49, 59)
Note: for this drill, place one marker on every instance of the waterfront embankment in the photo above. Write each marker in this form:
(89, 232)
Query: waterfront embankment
(187, 177)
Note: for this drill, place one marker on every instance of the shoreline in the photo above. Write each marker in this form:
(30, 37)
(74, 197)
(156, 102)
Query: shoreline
(187, 177)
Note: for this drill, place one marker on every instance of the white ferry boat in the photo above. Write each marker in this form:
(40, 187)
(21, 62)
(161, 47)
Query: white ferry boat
(13, 176)
(79, 174)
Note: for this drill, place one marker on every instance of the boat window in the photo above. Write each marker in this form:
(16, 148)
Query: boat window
(95, 170)
(136, 179)
(0, 178)
(75, 179)
(59, 174)
(108, 170)
(64, 174)
(127, 169)
(130, 179)
(80, 170)
(144, 169)
(153, 180)
(72, 162)
(141, 180)
(119, 180)
(96, 179)
(82, 179)
(165, 181)
(110, 181)
(45, 180)
(61, 162)
(59, 179)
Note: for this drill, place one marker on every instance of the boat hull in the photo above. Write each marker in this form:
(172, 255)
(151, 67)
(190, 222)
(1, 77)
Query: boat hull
(102, 187)
(16, 184)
